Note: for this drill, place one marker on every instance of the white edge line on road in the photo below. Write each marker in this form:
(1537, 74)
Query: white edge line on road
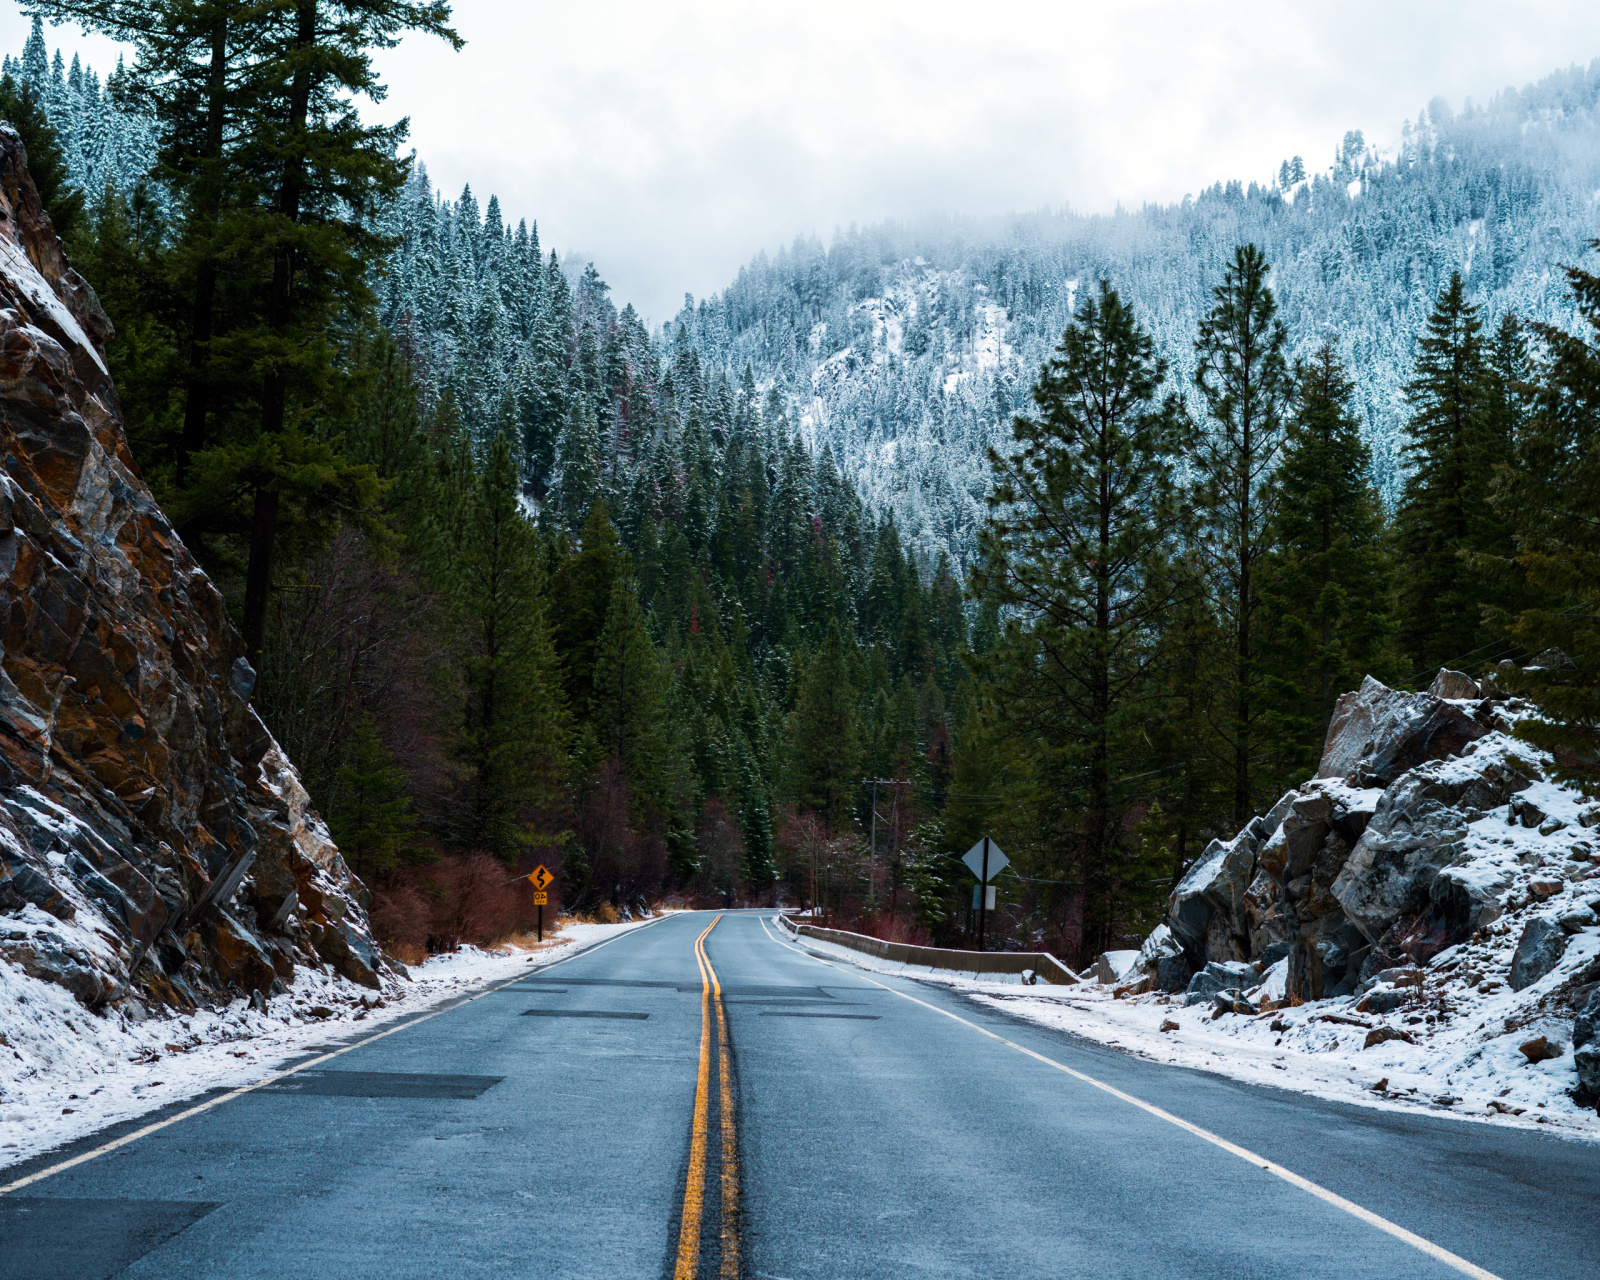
(1411, 1238)
(274, 1076)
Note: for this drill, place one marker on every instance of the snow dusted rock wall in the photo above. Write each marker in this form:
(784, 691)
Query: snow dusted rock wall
(150, 828)
(1429, 873)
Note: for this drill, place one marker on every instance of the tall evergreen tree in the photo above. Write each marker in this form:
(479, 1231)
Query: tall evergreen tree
(1325, 585)
(1244, 380)
(321, 173)
(370, 814)
(825, 736)
(1444, 513)
(581, 599)
(631, 700)
(1083, 519)
(1551, 495)
(512, 741)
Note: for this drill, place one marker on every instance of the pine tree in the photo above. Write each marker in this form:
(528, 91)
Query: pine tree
(321, 174)
(1444, 513)
(630, 702)
(1083, 518)
(512, 739)
(1244, 380)
(580, 462)
(1550, 494)
(755, 817)
(581, 598)
(370, 814)
(1325, 586)
(824, 746)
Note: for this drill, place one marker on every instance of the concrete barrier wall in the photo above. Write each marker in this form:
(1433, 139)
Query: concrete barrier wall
(1045, 965)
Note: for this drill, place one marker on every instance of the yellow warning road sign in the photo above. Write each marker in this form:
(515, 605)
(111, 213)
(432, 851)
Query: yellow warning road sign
(540, 878)
(540, 899)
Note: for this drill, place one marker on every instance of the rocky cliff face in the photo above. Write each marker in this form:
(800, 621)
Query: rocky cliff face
(155, 843)
(1427, 834)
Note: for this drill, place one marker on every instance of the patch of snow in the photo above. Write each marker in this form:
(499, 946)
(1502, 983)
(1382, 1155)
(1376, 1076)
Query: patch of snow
(19, 269)
(1353, 188)
(66, 1072)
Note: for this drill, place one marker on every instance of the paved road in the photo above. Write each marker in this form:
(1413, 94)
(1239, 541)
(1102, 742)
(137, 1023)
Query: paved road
(573, 1124)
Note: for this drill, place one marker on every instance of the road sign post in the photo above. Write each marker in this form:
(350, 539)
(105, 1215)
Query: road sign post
(540, 879)
(985, 860)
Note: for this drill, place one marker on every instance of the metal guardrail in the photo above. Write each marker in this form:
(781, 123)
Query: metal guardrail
(1047, 968)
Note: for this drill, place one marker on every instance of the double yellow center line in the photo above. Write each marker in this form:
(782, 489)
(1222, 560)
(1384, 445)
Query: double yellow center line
(694, 1187)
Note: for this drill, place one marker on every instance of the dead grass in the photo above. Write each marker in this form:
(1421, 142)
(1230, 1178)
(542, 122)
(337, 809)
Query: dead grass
(409, 954)
(530, 941)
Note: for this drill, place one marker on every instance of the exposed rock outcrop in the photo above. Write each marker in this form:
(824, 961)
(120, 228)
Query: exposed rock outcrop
(1428, 835)
(1375, 862)
(147, 818)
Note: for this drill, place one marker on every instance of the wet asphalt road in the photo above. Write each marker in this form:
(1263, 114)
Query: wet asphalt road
(548, 1128)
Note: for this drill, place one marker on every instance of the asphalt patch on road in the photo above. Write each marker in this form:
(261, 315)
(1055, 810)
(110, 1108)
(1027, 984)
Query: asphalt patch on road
(381, 1084)
(583, 1013)
(57, 1239)
(796, 1013)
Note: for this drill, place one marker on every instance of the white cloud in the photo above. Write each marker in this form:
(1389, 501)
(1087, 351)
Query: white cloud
(670, 143)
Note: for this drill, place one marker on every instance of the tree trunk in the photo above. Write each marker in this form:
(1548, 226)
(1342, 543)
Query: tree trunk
(280, 310)
(208, 206)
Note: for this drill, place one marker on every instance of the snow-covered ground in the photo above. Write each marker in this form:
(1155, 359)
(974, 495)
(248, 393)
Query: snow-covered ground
(1457, 1068)
(66, 1072)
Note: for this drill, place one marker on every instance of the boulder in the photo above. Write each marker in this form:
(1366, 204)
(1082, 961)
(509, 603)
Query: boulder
(1219, 976)
(1415, 833)
(1541, 1049)
(1455, 686)
(1216, 883)
(1157, 947)
(1378, 733)
(1232, 1002)
(1587, 1061)
(1382, 1035)
(1173, 973)
(1586, 1025)
(1382, 1000)
(1539, 950)
(1523, 812)
(1113, 967)
(1578, 917)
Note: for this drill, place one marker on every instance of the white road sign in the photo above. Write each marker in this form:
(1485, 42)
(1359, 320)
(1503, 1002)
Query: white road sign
(998, 861)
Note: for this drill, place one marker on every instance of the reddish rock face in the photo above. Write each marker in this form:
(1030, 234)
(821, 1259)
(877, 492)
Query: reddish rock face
(147, 817)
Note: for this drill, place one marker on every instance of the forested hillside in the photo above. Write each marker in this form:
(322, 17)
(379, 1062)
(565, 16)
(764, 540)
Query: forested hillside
(905, 348)
(925, 535)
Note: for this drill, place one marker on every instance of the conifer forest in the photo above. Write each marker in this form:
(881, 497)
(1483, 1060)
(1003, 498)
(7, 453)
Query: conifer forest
(1060, 529)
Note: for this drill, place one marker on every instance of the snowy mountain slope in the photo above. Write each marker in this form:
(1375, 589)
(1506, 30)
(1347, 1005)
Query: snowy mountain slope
(907, 348)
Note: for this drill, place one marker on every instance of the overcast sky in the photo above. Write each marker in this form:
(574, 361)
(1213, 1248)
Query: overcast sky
(669, 142)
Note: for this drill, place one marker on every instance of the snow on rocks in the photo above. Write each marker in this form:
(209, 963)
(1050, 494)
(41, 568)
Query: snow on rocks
(66, 1072)
(1429, 887)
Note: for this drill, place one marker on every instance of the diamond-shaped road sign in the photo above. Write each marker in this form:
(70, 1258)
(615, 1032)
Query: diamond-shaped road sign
(540, 878)
(998, 861)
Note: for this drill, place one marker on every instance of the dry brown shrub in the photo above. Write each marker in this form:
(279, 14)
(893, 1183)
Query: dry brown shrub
(399, 917)
(454, 900)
